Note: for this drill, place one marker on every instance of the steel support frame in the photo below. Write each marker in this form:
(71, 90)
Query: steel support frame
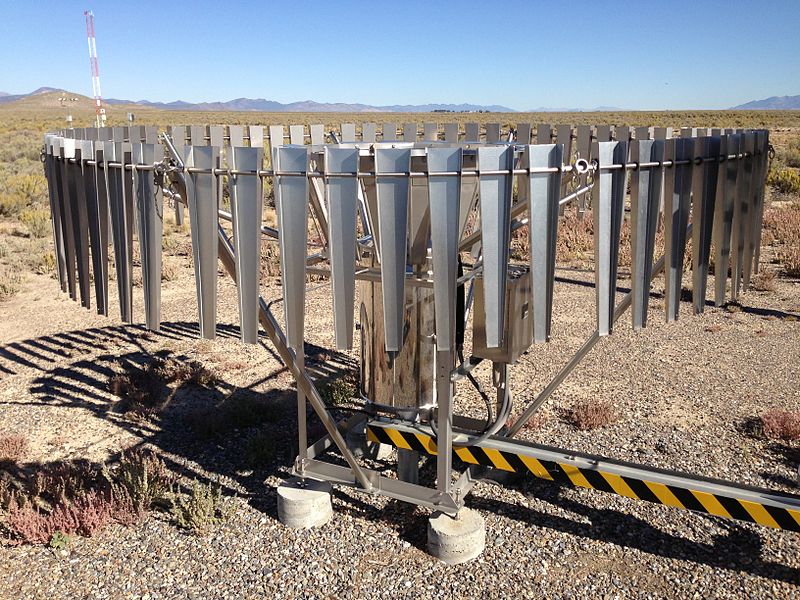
(447, 496)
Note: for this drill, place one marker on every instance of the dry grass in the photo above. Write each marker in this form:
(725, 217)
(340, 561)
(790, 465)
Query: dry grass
(781, 425)
(535, 423)
(147, 389)
(592, 414)
(765, 281)
(13, 448)
(67, 498)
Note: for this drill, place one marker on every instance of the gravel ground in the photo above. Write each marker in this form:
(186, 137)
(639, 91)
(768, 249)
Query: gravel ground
(682, 392)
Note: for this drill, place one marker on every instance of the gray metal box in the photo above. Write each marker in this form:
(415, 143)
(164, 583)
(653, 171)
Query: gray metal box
(518, 328)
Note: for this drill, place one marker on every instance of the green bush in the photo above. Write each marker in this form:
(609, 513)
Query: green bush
(37, 221)
(200, 509)
(11, 205)
(785, 181)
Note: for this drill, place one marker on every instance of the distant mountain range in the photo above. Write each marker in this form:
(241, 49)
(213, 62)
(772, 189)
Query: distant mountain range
(773, 103)
(5, 97)
(262, 105)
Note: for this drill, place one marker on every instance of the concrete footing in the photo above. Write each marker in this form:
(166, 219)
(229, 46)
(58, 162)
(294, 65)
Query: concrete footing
(455, 540)
(304, 503)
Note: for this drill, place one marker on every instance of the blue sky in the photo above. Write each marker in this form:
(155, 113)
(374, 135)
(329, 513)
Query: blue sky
(634, 55)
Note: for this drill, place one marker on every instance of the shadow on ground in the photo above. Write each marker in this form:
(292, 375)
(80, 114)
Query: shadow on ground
(200, 436)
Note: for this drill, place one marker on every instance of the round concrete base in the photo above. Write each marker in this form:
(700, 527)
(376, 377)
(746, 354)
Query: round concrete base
(455, 540)
(304, 503)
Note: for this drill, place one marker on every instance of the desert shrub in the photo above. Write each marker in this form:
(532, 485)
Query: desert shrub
(781, 425)
(575, 239)
(143, 477)
(592, 414)
(791, 154)
(789, 257)
(44, 263)
(765, 281)
(147, 389)
(80, 498)
(240, 410)
(782, 229)
(169, 271)
(259, 450)
(12, 448)
(37, 221)
(10, 283)
(339, 391)
(535, 423)
(200, 509)
(11, 205)
(785, 181)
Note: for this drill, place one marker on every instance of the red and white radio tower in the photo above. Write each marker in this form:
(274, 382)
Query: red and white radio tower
(98, 100)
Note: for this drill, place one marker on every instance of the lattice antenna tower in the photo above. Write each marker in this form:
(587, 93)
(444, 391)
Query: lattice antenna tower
(100, 112)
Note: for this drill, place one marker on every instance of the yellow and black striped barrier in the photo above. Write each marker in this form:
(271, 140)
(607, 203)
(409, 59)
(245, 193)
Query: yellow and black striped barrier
(713, 497)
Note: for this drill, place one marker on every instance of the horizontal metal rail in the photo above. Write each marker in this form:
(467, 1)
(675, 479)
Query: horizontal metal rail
(671, 488)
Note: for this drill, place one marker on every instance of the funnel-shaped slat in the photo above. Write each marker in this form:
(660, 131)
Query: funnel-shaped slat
(56, 199)
(297, 135)
(704, 190)
(216, 135)
(564, 137)
(101, 185)
(197, 135)
(603, 133)
(98, 257)
(583, 141)
(544, 133)
(543, 196)
(317, 132)
(202, 189)
(341, 195)
(523, 133)
(151, 134)
(368, 132)
(723, 217)
(751, 203)
(762, 146)
(430, 132)
(492, 133)
(246, 209)
(67, 150)
(444, 197)
(118, 134)
(677, 206)
(121, 229)
(392, 194)
(495, 199)
(80, 223)
(389, 131)
(451, 132)
(348, 133)
(622, 133)
(150, 213)
(645, 199)
(135, 134)
(409, 132)
(275, 138)
(256, 133)
(662, 133)
(608, 203)
(291, 202)
(178, 134)
(737, 232)
(642, 133)
(472, 132)
(236, 135)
